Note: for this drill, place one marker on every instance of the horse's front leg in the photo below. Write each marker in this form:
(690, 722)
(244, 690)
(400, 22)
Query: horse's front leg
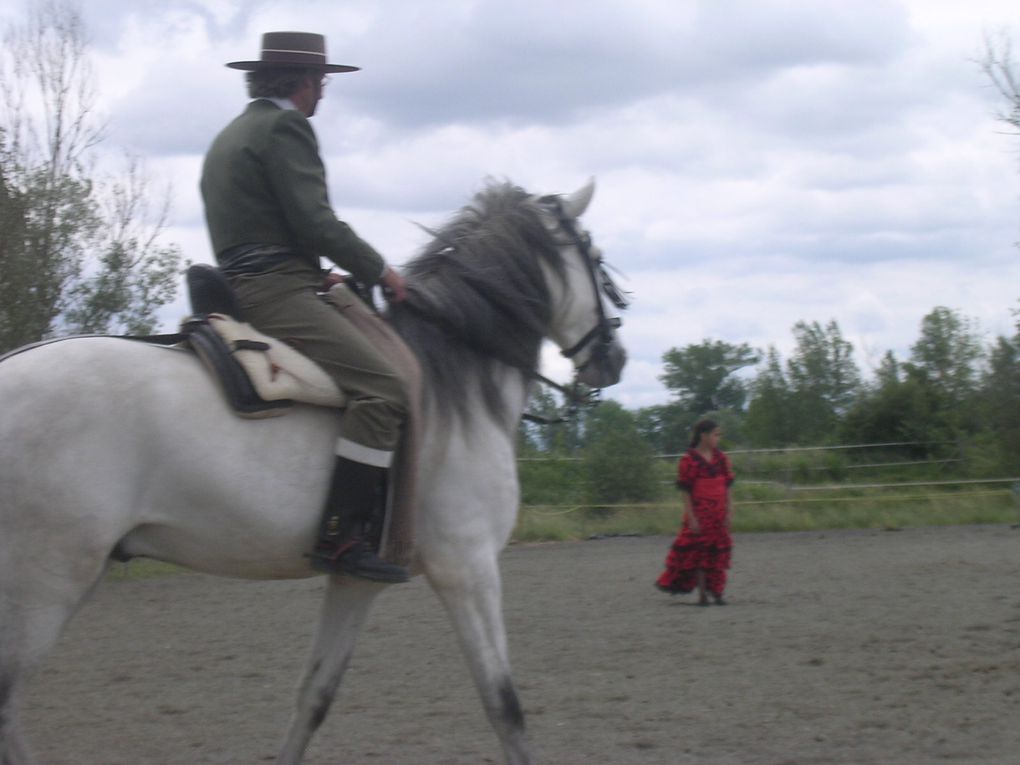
(472, 594)
(344, 610)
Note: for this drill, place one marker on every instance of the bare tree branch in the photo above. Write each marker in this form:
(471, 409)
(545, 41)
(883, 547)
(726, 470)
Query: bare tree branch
(1000, 67)
(79, 252)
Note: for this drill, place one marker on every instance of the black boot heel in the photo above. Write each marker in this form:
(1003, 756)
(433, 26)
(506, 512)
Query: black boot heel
(357, 500)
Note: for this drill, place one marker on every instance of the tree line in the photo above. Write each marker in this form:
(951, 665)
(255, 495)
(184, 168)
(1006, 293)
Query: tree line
(953, 392)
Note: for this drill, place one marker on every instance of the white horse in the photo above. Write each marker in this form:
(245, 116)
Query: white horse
(107, 444)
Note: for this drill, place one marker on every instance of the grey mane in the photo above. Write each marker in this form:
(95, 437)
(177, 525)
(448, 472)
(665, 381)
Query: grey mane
(477, 296)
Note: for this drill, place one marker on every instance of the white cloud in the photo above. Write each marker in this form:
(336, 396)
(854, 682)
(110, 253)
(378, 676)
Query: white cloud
(759, 162)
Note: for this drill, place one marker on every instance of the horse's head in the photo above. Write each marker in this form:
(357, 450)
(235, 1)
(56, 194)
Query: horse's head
(583, 326)
(506, 272)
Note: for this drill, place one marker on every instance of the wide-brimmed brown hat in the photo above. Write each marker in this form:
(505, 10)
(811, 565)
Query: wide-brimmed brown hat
(292, 49)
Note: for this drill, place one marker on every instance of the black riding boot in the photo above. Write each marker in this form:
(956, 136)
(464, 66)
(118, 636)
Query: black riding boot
(356, 505)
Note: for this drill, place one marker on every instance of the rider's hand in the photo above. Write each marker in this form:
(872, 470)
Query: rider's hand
(330, 279)
(394, 286)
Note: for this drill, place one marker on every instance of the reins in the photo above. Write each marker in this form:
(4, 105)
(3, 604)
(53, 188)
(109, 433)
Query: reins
(576, 397)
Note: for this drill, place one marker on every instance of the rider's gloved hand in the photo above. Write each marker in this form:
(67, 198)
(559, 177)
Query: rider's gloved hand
(393, 286)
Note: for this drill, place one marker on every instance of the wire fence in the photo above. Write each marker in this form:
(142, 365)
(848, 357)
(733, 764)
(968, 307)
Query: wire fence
(785, 491)
(1014, 493)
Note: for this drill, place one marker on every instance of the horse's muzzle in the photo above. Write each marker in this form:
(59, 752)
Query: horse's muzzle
(604, 367)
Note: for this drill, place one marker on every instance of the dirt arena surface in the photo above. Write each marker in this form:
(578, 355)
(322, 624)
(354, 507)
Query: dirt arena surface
(869, 647)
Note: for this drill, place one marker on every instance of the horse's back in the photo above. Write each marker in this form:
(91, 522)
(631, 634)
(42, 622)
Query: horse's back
(66, 374)
(129, 390)
(101, 436)
(87, 400)
(75, 427)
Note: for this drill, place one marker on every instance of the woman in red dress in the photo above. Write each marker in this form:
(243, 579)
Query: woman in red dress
(700, 554)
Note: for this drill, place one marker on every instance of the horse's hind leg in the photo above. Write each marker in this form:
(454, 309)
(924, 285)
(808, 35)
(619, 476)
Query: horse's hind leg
(473, 597)
(13, 750)
(26, 635)
(346, 605)
(36, 603)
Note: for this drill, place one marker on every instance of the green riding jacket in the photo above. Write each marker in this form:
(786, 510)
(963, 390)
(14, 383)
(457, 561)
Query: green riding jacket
(263, 182)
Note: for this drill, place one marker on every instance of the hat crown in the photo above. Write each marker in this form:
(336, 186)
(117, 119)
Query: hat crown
(294, 45)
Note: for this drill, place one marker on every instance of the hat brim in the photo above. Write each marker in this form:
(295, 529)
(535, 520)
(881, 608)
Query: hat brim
(253, 66)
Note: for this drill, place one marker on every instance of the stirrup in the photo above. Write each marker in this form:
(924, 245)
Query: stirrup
(356, 558)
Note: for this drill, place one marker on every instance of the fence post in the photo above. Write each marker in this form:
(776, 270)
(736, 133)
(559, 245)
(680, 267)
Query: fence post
(1016, 501)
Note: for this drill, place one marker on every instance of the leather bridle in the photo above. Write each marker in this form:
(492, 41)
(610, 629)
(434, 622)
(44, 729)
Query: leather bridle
(602, 284)
(575, 394)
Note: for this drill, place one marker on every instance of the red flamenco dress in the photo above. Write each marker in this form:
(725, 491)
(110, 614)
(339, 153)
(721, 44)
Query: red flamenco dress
(707, 482)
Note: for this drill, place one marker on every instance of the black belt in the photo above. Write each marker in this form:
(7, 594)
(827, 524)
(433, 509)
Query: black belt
(253, 259)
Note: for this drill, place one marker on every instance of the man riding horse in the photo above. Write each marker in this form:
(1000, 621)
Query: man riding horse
(270, 221)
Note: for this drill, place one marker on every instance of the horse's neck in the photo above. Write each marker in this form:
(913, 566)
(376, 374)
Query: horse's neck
(512, 386)
(462, 382)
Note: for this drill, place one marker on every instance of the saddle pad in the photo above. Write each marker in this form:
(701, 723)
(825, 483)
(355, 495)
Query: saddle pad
(277, 371)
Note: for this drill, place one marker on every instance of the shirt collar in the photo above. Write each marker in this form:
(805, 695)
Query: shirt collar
(283, 103)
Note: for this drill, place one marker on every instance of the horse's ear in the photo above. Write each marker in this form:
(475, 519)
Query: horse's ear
(575, 204)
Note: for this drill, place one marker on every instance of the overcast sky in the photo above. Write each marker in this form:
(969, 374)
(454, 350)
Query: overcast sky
(758, 162)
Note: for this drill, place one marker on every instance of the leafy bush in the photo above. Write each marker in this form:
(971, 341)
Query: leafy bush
(618, 464)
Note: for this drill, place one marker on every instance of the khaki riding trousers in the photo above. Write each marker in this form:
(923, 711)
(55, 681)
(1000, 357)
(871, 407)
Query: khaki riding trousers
(282, 302)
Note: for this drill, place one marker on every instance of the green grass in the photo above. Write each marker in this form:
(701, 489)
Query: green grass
(756, 511)
(141, 568)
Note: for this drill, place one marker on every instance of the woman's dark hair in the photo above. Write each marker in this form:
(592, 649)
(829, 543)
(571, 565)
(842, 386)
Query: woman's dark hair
(279, 83)
(700, 428)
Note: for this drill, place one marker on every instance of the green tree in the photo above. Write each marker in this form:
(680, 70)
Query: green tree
(665, 427)
(943, 371)
(770, 417)
(823, 379)
(931, 398)
(701, 376)
(892, 408)
(78, 252)
(999, 399)
(945, 357)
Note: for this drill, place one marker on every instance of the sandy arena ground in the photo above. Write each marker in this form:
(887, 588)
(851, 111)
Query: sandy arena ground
(839, 647)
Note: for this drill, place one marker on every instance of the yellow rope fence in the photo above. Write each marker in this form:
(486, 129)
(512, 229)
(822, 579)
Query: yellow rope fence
(554, 510)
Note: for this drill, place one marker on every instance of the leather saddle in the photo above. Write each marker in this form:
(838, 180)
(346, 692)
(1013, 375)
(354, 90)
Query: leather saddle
(211, 295)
